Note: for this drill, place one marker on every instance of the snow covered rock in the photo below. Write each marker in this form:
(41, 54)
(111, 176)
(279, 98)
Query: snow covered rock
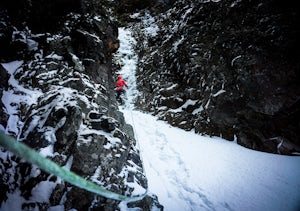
(58, 98)
(223, 68)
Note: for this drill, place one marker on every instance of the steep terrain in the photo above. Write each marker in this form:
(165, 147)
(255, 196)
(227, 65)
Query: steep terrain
(57, 97)
(225, 68)
(189, 171)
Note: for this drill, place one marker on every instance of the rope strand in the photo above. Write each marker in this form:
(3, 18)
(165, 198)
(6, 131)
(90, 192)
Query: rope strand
(49, 166)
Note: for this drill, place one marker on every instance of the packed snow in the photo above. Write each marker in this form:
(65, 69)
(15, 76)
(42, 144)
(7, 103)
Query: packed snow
(188, 171)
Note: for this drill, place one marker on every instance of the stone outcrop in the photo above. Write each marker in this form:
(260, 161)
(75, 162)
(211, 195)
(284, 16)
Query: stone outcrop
(225, 68)
(58, 98)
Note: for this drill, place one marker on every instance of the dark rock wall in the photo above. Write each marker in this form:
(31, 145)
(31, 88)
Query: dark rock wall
(226, 68)
(64, 105)
(41, 15)
(130, 6)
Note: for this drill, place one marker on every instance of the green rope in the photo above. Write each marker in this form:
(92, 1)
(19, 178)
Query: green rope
(49, 166)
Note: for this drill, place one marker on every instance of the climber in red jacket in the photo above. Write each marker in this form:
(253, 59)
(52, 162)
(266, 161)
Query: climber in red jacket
(120, 84)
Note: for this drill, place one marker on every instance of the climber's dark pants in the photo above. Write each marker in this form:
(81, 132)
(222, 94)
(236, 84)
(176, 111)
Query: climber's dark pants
(119, 93)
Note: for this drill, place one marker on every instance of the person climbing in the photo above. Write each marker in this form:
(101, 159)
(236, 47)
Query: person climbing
(120, 84)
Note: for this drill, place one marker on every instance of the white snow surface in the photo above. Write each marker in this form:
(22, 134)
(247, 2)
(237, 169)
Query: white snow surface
(192, 172)
(9, 96)
(188, 171)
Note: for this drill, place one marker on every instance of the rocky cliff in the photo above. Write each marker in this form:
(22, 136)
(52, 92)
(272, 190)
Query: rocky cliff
(224, 68)
(57, 97)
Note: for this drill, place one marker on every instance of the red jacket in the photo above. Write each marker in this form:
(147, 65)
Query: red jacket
(120, 83)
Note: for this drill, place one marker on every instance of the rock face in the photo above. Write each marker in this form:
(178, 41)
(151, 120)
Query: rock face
(225, 68)
(58, 98)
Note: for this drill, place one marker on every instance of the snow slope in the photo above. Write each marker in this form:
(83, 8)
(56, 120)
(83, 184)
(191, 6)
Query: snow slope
(192, 172)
